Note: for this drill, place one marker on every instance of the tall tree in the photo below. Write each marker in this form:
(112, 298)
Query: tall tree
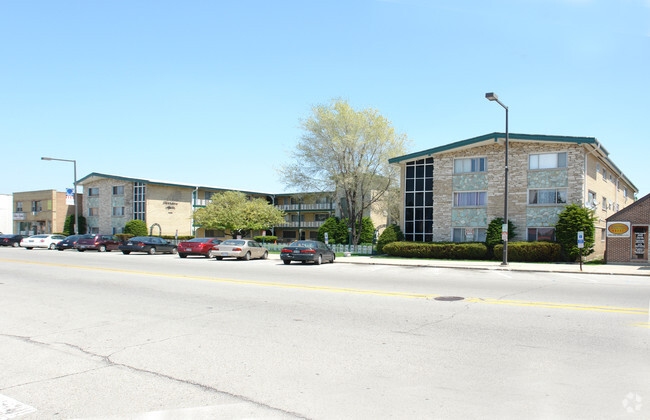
(235, 212)
(346, 150)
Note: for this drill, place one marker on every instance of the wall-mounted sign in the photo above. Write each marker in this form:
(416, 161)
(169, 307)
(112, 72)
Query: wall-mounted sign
(19, 216)
(618, 229)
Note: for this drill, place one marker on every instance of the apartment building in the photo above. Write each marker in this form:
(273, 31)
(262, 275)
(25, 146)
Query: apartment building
(452, 192)
(41, 212)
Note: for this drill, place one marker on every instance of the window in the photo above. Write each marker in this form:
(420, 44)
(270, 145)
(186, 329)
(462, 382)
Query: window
(19, 206)
(603, 235)
(604, 175)
(470, 199)
(118, 211)
(94, 230)
(139, 200)
(604, 203)
(117, 230)
(468, 234)
(625, 192)
(118, 190)
(541, 234)
(549, 196)
(36, 206)
(591, 198)
(418, 209)
(547, 161)
(93, 211)
(93, 192)
(289, 234)
(597, 168)
(468, 165)
(297, 218)
(321, 217)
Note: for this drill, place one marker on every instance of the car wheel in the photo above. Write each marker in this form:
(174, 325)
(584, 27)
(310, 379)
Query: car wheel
(174, 251)
(15, 244)
(182, 255)
(219, 258)
(333, 258)
(126, 252)
(29, 247)
(247, 257)
(287, 262)
(210, 254)
(318, 259)
(102, 248)
(266, 255)
(80, 250)
(152, 251)
(52, 246)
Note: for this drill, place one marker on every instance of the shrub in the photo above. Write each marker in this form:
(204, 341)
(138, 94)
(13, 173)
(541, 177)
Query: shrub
(572, 220)
(123, 237)
(267, 239)
(531, 251)
(180, 238)
(367, 231)
(331, 226)
(136, 228)
(443, 250)
(392, 233)
(493, 233)
(68, 225)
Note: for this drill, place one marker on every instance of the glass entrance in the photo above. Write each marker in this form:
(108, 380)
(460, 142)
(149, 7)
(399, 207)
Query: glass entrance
(640, 243)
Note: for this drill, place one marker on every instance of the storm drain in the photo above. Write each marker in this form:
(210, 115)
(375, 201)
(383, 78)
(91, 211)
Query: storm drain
(448, 298)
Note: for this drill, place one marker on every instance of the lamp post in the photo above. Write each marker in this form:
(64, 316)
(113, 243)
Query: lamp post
(493, 97)
(76, 215)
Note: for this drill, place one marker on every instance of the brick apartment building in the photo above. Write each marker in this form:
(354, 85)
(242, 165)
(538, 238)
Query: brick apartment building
(627, 233)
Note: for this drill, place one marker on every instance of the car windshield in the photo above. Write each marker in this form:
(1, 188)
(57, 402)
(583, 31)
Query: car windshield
(6, 236)
(86, 237)
(233, 242)
(140, 238)
(39, 236)
(305, 244)
(73, 237)
(201, 240)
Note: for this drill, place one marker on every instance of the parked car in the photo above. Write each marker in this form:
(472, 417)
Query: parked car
(148, 244)
(99, 243)
(304, 251)
(68, 243)
(198, 246)
(242, 249)
(41, 241)
(10, 240)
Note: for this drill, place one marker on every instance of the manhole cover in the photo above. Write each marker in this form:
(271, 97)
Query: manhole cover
(448, 298)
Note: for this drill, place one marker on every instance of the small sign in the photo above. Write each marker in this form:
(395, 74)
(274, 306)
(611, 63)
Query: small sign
(69, 197)
(326, 238)
(504, 236)
(618, 229)
(581, 239)
(263, 233)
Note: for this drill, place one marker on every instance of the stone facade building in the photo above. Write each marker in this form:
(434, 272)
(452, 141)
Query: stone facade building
(452, 192)
(627, 233)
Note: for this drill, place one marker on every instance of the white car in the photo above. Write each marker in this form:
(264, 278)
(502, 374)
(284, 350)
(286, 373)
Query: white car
(41, 241)
(242, 249)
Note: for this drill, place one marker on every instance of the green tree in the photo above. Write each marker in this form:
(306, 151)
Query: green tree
(573, 219)
(235, 212)
(136, 228)
(331, 226)
(493, 233)
(392, 233)
(347, 151)
(367, 231)
(68, 225)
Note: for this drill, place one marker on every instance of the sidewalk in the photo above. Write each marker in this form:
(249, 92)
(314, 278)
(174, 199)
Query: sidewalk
(609, 269)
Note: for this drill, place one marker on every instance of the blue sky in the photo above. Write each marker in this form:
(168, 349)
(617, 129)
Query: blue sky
(212, 92)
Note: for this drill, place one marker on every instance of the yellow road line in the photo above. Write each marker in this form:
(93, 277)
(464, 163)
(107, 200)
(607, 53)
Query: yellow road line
(550, 305)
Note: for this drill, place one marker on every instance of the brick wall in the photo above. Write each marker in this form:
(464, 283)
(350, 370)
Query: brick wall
(620, 249)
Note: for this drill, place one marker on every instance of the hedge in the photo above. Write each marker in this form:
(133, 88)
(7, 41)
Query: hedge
(442, 250)
(530, 251)
(265, 239)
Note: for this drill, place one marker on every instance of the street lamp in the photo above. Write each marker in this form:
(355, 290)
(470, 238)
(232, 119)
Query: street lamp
(493, 97)
(74, 196)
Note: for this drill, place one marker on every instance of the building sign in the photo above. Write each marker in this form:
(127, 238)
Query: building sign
(170, 206)
(618, 229)
(19, 216)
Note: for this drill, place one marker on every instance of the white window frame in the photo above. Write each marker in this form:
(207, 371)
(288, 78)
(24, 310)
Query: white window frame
(471, 159)
(557, 159)
(454, 199)
(566, 195)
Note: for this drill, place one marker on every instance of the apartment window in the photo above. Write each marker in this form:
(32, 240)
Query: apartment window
(604, 175)
(625, 192)
(117, 230)
(118, 190)
(36, 206)
(603, 235)
(139, 190)
(470, 199)
(547, 196)
(604, 203)
(591, 198)
(118, 211)
(597, 168)
(19, 206)
(321, 217)
(94, 230)
(289, 234)
(547, 161)
(93, 192)
(541, 234)
(468, 234)
(418, 210)
(297, 218)
(93, 211)
(469, 165)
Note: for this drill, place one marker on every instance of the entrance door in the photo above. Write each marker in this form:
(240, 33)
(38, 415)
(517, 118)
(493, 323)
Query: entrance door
(640, 243)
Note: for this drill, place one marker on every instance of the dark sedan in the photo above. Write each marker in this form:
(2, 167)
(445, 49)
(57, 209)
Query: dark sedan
(148, 244)
(68, 243)
(304, 251)
(10, 240)
(198, 246)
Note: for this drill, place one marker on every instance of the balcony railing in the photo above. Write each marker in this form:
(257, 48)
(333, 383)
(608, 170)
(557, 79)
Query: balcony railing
(306, 206)
(300, 225)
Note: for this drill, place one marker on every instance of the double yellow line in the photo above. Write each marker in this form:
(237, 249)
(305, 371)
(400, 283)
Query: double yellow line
(551, 305)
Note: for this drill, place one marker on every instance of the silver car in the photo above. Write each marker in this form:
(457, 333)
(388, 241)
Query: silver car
(242, 249)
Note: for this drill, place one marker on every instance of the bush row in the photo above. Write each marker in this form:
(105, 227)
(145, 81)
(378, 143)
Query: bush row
(450, 251)
(530, 251)
(266, 239)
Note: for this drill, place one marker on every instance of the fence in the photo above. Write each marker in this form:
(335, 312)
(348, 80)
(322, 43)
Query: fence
(355, 249)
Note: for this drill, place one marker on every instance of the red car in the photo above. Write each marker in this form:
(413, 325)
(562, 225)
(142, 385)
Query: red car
(101, 243)
(198, 246)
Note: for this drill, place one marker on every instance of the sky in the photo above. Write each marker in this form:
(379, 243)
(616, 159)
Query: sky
(212, 93)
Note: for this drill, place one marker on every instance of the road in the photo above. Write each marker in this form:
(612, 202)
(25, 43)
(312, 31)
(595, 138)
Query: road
(90, 335)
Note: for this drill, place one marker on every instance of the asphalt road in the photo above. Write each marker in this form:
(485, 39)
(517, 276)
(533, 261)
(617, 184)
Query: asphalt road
(90, 335)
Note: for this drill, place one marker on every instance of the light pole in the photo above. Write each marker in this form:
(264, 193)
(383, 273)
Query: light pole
(74, 196)
(493, 97)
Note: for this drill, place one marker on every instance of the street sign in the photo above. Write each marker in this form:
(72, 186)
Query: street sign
(581, 239)
(69, 197)
(504, 232)
(326, 238)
